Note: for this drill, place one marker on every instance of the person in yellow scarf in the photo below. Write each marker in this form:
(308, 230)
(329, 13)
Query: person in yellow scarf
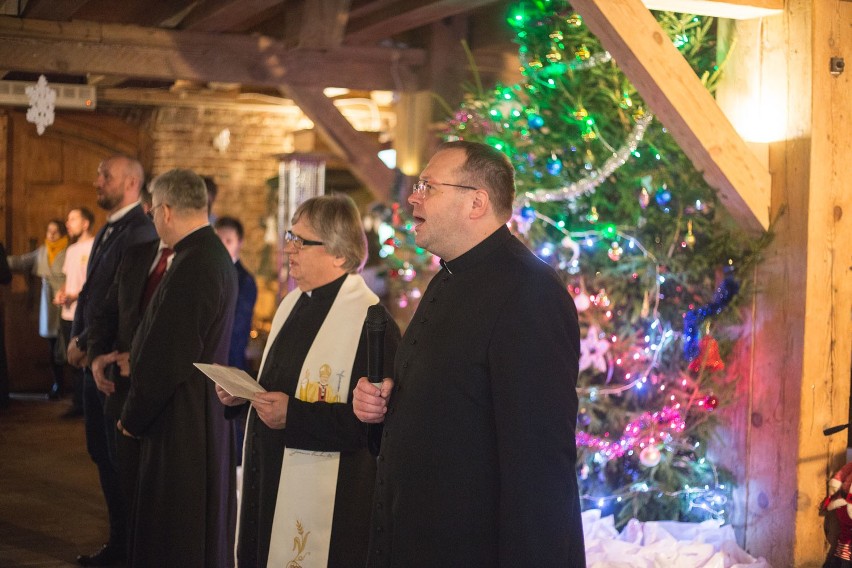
(46, 262)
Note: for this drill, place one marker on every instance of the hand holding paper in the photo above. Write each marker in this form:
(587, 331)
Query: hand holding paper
(236, 382)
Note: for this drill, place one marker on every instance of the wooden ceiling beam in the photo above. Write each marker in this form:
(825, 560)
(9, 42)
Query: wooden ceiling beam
(114, 49)
(673, 91)
(323, 23)
(153, 13)
(360, 152)
(105, 81)
(391, 19)
(59, 10)
(734, 9)
(225, 15)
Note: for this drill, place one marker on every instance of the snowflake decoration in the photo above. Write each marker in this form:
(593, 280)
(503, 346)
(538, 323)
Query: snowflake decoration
(593, 350)
(42, 103)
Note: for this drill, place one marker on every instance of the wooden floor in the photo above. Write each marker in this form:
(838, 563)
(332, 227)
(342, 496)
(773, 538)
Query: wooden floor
(51, 506)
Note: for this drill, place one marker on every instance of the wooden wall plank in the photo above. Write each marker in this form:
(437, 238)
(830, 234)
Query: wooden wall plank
(670, 87)
(826, 369)
(802, 330)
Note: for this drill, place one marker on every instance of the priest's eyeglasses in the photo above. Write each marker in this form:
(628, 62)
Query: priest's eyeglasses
(298, 242)
(422, 187)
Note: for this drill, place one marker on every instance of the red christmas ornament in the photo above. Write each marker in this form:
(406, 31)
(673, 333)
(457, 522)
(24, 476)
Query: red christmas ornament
(708, 356)
(711, 402)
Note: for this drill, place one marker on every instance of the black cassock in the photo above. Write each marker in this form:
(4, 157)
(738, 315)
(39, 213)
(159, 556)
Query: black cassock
(310, 426)
(477, 461)
(185, 504)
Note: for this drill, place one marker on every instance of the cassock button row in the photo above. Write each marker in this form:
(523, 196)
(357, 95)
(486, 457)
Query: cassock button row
(413, 341)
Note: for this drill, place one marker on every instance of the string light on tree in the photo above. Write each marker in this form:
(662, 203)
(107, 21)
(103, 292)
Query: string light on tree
(607, 198)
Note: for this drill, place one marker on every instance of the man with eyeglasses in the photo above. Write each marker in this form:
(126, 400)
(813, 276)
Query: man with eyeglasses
(185, 496)
(308, 475)
(477, 459)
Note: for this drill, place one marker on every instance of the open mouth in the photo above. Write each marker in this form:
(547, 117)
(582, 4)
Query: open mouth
(418, 221)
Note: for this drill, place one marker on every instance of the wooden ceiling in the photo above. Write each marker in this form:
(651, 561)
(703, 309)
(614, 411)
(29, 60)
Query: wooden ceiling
(300, 47)
(358, 44)
(142, 52)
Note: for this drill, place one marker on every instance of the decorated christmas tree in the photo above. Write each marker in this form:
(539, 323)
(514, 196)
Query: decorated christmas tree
(606, 196)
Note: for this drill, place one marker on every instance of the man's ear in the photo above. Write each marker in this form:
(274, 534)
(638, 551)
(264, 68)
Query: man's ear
(480, 205)
(339, 261)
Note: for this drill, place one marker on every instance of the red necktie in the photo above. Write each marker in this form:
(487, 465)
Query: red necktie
(155, 277)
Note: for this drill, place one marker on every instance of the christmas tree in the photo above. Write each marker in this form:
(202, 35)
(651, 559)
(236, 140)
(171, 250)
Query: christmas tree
(605, 195)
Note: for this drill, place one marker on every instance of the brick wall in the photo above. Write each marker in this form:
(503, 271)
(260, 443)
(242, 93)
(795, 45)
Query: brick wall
(183, 137)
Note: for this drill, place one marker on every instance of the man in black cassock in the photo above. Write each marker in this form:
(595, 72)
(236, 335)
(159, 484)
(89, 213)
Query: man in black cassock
(113, 325)
(477, 458)
(326, 247)
(185, 494)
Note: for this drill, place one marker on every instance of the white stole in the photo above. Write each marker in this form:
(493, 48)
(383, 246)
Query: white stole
(301, 526)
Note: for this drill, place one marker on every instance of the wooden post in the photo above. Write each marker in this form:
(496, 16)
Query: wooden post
(802, 332)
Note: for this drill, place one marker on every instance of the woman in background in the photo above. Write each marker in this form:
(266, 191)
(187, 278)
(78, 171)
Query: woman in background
(46, 262)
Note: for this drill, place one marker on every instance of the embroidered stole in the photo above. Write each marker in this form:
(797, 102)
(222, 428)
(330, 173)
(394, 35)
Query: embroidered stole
(301, 527)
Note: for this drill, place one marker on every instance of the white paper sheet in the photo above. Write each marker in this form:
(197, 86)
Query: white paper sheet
(235, 381)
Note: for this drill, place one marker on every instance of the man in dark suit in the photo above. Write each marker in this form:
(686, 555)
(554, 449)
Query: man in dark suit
(231, 233)
(111, 334)
(184, 510)
(477, 459)
(118, 185)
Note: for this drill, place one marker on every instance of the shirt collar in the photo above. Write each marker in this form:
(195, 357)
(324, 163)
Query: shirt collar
(121, 213)
(480, 252)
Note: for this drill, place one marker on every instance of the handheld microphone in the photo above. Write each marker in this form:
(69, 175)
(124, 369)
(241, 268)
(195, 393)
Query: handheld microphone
(377, 321)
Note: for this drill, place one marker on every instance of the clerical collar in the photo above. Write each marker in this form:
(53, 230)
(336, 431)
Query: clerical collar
(480, 252)
(329, 290)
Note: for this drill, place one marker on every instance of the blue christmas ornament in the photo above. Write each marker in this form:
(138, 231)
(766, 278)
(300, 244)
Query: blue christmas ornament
(663, 196)
(535, 121)
(528, 213)
(554, 166)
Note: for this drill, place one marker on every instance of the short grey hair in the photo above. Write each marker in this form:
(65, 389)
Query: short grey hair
(181, 189)
(337, 222)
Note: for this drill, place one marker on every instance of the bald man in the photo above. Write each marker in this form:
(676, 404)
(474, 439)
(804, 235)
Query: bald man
(118, 185)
